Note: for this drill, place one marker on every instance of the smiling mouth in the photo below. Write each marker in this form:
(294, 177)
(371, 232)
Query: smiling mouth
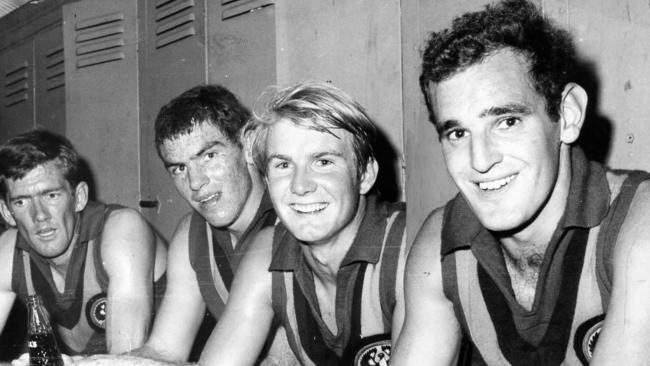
(496, 184)
(210, 199)
(309, 208)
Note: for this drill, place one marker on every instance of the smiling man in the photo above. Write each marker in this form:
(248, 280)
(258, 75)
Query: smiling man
(542, 258)
(331, 272)
(94, 265)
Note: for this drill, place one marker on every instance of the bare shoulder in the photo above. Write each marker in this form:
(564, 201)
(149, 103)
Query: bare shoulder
(427, 239)
(182, 230)
(634, 236)
(125, 217)
(7, 246)
(260, 252)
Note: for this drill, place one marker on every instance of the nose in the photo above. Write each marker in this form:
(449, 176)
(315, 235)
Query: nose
(196, 178)
(40, 212)
(302, 182)
(484, 153)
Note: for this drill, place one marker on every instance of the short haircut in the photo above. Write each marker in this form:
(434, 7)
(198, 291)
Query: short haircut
(211, 104)
(23, 153)
(515, 25)
(318, 106)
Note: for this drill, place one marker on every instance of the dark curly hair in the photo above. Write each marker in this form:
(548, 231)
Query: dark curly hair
(516, 25)
(213, 104)
(21, 154)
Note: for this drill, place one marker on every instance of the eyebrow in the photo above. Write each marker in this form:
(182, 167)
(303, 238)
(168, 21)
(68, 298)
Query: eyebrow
(313, 156)
(207, 146)
(513, 108)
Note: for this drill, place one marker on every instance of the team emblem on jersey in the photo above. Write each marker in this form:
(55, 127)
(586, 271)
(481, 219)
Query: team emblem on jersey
(96, 312)
(374, 354)
(586, 338)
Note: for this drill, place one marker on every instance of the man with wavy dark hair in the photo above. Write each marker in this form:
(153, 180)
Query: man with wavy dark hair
(542, 257)
(94, 265)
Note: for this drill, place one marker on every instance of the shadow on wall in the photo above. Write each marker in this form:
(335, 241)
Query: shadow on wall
(596, 135)
(387, 184)
(88, 177)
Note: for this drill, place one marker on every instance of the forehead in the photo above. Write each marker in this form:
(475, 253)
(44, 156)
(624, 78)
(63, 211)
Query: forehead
(501, 79)
(187, 145)
(285, 137)
(43, 177)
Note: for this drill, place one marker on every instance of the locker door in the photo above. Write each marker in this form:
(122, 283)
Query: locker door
(356, 46)
(17, 83)
(242, 45)
(425, 166)
(50, 80)
(101, 78)
(173, 59)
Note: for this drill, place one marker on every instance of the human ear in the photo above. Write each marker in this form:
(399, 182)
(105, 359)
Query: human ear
(247, 146)
(369, 177)
(81, 196)
(572, 112)
(6, 213)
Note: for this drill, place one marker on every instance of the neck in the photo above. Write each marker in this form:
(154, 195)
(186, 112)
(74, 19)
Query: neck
(325, 257)
(535, 237)
(60, 264)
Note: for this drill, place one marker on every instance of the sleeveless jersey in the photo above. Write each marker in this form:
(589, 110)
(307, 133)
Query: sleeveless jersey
(79, 313)
(214, 259)
(365, 292)
(564, 323)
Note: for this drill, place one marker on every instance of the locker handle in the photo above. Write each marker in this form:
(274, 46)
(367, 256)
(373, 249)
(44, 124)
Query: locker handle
(149, 204)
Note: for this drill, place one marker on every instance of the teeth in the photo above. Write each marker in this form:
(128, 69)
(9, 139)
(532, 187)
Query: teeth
(308, 208)
(495, 184)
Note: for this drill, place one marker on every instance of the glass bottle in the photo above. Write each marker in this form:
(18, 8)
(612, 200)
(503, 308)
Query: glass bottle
(43, 349)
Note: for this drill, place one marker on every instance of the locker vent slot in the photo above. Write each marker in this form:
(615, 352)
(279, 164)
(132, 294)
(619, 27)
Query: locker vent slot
(233, 8)
(54, 69)
(99, 40)
(16, 86)
(175, 20)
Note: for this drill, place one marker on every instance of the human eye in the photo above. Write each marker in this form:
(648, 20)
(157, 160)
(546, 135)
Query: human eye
(51, 196)
(18, 203)
(455, 134)
(209, 155)
(324, 162)
(508, 122)
(176, 169)
(280, 165)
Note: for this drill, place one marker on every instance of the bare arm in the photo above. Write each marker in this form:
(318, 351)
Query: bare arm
(128, 252)
(181, 312)
(431, 334)
(242, 330)
(625, 336)
(398, 312)
(7, 296)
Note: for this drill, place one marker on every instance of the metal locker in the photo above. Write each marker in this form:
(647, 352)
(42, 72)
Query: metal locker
(242, 46)
(172, 60)
(101, 77)
(50, 80)
(17, 83)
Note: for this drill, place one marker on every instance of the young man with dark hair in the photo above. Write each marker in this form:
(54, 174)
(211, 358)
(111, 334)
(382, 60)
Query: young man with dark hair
(542, 259)
(94, 265)
(198, 135)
